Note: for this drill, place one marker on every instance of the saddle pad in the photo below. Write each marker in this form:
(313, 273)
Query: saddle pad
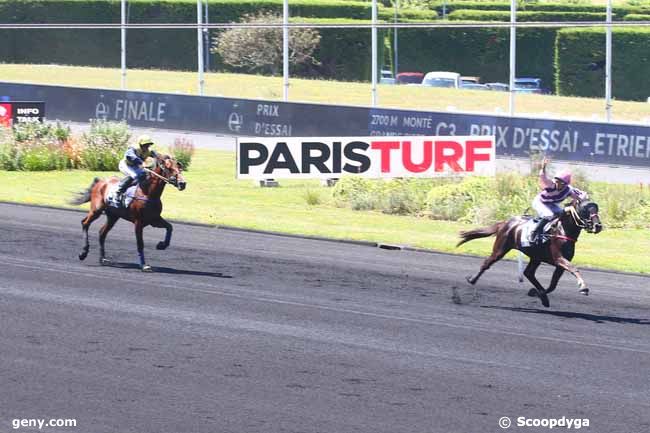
(112, 201)
(527, 231)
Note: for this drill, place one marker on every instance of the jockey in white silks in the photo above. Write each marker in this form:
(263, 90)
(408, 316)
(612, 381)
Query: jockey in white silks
(132, 163)
(547, 203)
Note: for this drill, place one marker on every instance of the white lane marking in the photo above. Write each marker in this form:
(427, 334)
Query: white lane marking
(223, 292)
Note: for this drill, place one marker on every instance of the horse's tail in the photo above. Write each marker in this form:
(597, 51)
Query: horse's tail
(479, 233)
(84, 196)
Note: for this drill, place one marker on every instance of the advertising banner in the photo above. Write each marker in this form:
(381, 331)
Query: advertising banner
(370, 157)
(21, 112)
(520, 137)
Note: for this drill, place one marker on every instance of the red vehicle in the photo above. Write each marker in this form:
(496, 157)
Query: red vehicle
(409, 78)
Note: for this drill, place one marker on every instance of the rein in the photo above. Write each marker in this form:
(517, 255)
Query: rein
(163, 178)
(576, 218)
(566, 238)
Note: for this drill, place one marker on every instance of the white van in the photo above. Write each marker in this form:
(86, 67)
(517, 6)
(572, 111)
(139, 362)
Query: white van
(442, 79)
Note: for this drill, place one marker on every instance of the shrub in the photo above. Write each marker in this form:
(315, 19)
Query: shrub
(403, 196)
(34, 147)
(104, 145)
(460, 200)
(8, 150)
(312, 197)
(182, 150)
(260, 49)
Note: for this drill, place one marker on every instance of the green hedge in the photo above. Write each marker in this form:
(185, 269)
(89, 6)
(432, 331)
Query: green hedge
(476, 15)
(577, 49)
(636, 17)
(407, 15)
(619, 11)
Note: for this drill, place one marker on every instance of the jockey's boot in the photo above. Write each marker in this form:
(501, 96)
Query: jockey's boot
(536, 237)
(121, 189)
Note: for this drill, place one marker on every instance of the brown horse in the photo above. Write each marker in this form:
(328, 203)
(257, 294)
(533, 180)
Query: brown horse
(557, 251)
(144, 210)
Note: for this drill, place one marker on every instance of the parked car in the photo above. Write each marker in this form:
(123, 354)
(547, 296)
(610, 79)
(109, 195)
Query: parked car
(469, 80)
(386, 77)
(499, 87)
(529, 85)
(409, 78)
(474, 86)
(442, 79)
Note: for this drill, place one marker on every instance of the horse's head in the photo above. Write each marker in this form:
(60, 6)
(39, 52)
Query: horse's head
(172, 170)
(588, 213)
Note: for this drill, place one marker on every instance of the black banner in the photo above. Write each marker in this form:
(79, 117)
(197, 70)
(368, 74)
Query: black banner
(604, 143)
(21, 112)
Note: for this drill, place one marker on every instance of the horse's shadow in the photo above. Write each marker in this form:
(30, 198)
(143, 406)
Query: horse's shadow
(166, 270)
(574, 315)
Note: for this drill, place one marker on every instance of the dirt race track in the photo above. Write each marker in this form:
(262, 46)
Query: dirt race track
(241, 332)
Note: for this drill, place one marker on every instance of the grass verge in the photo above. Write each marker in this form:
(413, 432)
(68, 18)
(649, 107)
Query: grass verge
(326, 91)
(213, 196)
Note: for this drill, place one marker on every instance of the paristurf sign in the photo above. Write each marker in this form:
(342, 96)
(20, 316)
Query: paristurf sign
(370, 157)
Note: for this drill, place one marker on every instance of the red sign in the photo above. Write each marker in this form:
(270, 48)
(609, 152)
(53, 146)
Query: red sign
(5, 115)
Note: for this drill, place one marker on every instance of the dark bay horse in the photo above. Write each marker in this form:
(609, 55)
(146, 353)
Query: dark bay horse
(557, 251)
(144, 210)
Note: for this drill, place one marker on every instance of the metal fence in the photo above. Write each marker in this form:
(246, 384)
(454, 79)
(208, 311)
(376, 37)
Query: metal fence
(202, 26)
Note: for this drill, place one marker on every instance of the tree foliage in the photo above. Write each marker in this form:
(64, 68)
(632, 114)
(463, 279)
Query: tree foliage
(260, 49)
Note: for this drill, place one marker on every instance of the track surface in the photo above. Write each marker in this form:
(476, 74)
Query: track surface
(239, 332)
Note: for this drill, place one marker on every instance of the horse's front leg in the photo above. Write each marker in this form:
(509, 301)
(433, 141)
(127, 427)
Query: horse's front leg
(566, 265)
(538, 291)
(162, 223)
(555, 279)
(139, 227)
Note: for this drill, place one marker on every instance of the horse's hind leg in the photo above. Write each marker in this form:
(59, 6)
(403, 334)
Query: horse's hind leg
(85, 224)
(499, 250)
(539, 291)
(162, 223)
(103, 232)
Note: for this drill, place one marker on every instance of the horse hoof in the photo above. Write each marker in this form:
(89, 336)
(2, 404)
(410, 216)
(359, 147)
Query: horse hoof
(585, 291)
(544, 299)
(146, 268)
(83, 255)
(532, 293)
(161, 246)
(104, 261)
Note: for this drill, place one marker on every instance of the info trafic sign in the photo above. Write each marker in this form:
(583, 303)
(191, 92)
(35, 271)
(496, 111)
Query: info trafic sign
(21, 112)
(373, 157)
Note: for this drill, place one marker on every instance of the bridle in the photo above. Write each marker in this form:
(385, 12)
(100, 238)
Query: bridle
(579, 221)
(167, 180)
